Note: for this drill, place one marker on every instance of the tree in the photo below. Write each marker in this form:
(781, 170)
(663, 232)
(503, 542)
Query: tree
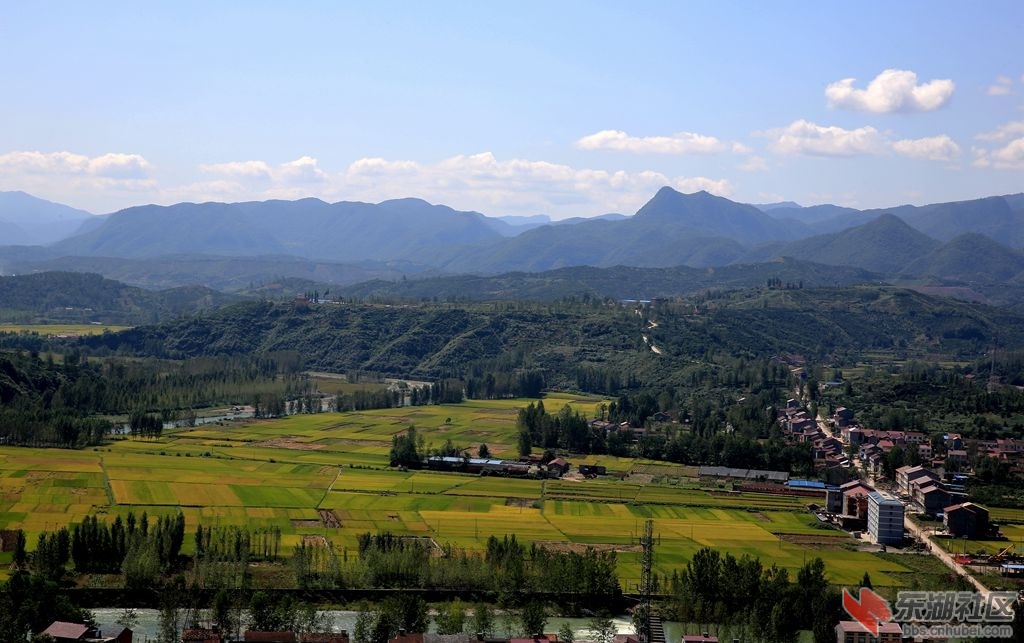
(451, 618)
(603, 628)
(866, 581)
(483, 451)
(532, 618)
(565, 633)
(483, 620)
(405, 449)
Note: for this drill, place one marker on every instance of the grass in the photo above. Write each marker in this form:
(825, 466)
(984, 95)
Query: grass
(61, 329)
(281, 472)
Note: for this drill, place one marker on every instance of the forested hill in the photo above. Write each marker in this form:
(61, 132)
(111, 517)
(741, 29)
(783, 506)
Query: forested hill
(620, 282)
(565, 339)
(84, 297)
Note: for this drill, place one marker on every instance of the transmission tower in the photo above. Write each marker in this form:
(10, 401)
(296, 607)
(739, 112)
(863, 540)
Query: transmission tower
(646, 582)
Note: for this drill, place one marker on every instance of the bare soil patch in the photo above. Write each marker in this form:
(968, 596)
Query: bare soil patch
(518, 502)
(362, 443)
(310, 524)
(818, 542)
(289, 442)
(580, 548)
(329, 518)
(314, 541)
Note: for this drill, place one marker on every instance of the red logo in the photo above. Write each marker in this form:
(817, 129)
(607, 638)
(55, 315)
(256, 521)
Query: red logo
(870, 610)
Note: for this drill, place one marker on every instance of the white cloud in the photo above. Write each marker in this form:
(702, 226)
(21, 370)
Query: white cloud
(1008, 157)
(754, 164)
(110, 165)
(1001, 87)
(893, 90)
(94, 182)
(302, 170)
(245, 169)
(119, 166)
(811, 139)
(678, 143)
(1003, 132)
(932, 148)
(805, 137)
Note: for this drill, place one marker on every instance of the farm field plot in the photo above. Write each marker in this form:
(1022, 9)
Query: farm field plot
(327, 475)
(1004, 515)
(61, 329)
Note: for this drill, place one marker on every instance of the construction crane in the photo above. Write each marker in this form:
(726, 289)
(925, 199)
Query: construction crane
(1001, 556)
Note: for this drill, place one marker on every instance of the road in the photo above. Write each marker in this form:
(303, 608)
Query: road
(943, 555)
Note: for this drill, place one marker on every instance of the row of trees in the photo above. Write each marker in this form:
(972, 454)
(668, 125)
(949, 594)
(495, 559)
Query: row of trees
(755, 601)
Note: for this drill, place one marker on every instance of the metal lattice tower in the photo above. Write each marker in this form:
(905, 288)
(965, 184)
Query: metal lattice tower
(646, 581)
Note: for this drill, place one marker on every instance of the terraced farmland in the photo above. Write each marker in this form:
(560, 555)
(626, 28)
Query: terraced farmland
(327, 475)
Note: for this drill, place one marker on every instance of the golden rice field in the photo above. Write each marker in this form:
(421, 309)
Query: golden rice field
(61, 329)
(286, 472)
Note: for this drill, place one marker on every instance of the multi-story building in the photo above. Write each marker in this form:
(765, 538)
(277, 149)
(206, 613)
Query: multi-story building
(885, 519)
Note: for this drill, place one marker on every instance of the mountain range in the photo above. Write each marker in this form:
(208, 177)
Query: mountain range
(238, 246)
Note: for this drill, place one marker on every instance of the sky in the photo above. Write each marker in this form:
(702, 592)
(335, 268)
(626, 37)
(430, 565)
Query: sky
(563, 108)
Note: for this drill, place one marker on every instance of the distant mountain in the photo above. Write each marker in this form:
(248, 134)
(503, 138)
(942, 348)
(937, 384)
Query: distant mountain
(971, 257)
(884, 245)
(768, 207)
(991, 216)
(82, 298)
(347, 242)
(28, 220)
(345, 231)
(715, 216)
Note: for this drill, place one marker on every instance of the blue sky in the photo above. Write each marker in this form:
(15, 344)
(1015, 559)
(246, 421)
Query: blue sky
(564, 108)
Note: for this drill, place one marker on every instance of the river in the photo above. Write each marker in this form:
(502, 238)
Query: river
(148, 623)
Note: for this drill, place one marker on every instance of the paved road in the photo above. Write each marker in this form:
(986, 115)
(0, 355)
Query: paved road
(943, 555)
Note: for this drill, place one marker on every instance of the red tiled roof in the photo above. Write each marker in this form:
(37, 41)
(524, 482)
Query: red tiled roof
(62, 630)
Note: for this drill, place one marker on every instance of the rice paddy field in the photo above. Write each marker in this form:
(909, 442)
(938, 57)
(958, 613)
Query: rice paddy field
(308, 474)
(60, 329)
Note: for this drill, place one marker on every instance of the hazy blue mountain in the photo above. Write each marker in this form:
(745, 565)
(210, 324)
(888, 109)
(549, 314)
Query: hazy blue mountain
(991, 216)
(28, 220)
(971, 257)
(715, 216)
(768, 207)
(676, 229)
(611, 216)
(1015, 201)
(884, 245)
(345, 231)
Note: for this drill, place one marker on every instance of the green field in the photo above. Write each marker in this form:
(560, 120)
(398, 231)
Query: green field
(61, 329)
(281, 472)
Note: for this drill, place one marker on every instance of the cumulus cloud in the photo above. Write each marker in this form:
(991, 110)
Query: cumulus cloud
(893, 90)
(303, 170)
(932, 148)
(805, 137)
(811, 139)
(95, 182)
(244, 169)
(1002, 87)
(1007, 157)
(111, 165)
(1003, 132)
(678, 143)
